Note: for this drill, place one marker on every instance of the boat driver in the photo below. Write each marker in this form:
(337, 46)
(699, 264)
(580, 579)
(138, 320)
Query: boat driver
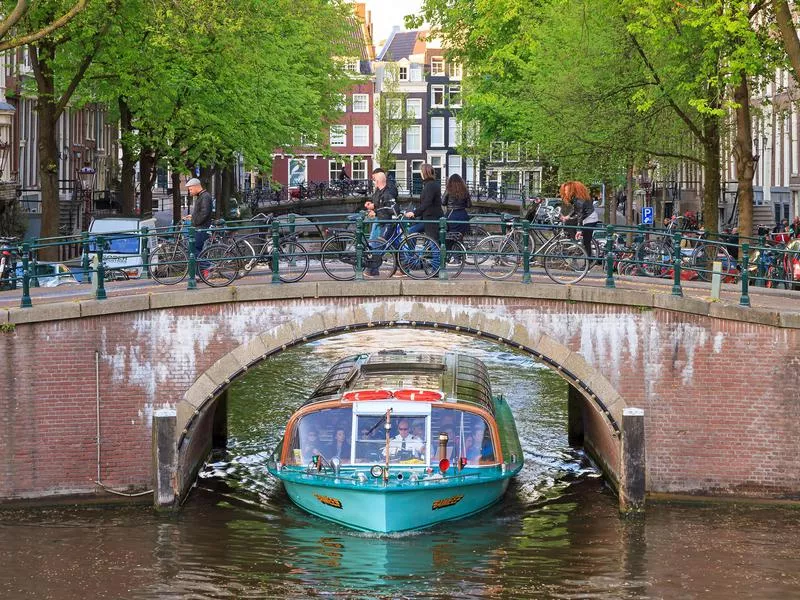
(405, 446)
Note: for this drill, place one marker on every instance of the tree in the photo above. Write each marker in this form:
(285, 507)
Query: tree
(13, 30)
(392, 116)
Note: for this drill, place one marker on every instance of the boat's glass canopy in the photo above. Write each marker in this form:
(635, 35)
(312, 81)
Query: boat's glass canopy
(459, 377)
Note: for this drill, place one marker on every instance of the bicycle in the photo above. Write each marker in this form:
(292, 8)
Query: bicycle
(235, 259)
(498, 256)
(415, 254)
(8, 254)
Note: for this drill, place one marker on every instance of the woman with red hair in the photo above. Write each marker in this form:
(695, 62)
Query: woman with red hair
(576, 196)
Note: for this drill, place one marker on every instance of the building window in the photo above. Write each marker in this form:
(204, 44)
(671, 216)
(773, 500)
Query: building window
(335, 169)
(496, 151)
(453, 165)
(403, 74)
(416, 72)
(359, 170)
(360, 103)
(361, 135)
(512, 152)
(414, 107)
(454, 96)
(352, 65)
(454, 130)
(341, 104)
(338, 135)
(416, 176)
(414, 139)
(437, 96)
(394, 108)
(437, 66)
(455, 70)
(397, 138)
(437, 132)
(399, 174)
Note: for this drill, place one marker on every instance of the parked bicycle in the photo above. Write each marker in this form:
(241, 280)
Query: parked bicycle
(8, 260)
(499, 256)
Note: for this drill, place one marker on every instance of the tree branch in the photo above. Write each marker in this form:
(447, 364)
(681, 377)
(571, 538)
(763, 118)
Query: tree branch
(20, 9)
(60, 22)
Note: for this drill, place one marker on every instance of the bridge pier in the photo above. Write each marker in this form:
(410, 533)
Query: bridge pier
(575, 403)
(632, 475)
(164, 457)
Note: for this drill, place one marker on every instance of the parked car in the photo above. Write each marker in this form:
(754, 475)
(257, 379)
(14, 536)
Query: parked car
(48, 274)
(124, 244)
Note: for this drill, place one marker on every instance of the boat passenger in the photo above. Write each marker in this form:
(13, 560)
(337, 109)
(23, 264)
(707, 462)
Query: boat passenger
(310, 445)
(404, 446)
(339, 447)
(418, 430)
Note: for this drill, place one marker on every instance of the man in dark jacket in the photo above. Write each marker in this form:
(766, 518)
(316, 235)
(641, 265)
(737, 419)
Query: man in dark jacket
(382, 204)
(201, 212)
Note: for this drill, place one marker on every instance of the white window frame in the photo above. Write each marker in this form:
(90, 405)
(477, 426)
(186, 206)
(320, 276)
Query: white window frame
(394, 108)
(437, 89)
(352, 65)
(414, 107)
(341, 105)
(453, 133)
(437, 132)
(402, 73)
(437, 66)
(358, 170)
(415, 72)
(417, 148)
(338, 135)
(360, 136)
(455, 70)
(360, 103)
(334, 169)
(400, 174)
(454, 164)
(454, 96)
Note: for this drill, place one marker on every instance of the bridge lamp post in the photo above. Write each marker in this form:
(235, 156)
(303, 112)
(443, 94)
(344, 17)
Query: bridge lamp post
(86, 175)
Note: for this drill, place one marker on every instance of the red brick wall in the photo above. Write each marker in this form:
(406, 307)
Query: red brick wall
(720, 397)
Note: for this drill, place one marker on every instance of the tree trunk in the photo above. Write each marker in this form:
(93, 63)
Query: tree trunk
(743, 153)
(791, 44)
(176, 197)
(147, 167)
(48, 147)
(711, 174)
(128, 171)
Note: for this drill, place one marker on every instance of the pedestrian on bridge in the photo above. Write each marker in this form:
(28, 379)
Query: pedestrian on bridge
(456, 199)
(201, 212)
(576, 196)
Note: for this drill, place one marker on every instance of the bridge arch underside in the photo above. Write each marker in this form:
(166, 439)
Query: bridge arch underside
(600, 409)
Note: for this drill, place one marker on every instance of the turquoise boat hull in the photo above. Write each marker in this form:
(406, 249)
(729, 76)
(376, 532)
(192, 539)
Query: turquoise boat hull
(396, 505)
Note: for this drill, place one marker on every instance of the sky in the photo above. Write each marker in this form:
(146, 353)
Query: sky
(387, 13)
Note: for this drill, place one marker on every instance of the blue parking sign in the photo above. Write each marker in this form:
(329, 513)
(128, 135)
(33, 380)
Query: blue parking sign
(647, 215)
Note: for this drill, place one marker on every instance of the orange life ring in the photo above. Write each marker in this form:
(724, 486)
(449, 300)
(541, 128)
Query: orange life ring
(418, 395)
(367, 395)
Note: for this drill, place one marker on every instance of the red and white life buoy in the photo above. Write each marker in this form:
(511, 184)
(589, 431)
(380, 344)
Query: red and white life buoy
(362, 395)
(418, 395)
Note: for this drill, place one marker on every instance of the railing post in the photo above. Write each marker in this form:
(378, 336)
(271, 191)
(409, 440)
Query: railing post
(34, 279)
(360, 235)
(526, 251)
(100, 274)
(745, 299)
(191, 284)
(85, 257)
(676, 265)
(145, 245)
(276, 243)
(443, 275)
(26, 278)
(610, 257)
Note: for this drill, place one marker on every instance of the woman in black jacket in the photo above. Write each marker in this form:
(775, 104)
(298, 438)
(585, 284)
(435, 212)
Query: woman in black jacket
(576, 195)
(456, 199)
(430, 204)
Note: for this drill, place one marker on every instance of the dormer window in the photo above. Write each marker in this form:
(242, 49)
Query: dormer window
(352, 65)
(437, 66)
(416, 72)
(403, 74)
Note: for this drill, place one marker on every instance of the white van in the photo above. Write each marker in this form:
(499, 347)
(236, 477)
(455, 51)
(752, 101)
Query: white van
(121, 251)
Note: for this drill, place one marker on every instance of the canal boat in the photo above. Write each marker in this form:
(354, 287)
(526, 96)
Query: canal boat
(397, 441)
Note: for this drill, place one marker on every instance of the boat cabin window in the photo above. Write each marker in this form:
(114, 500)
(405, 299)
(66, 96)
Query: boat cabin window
(407, 442)
(327, 432)
(469, 436)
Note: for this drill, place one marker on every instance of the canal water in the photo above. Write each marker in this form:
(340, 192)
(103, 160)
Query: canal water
(556, 534)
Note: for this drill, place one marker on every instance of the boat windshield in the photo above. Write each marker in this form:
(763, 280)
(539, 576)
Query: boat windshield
(413, 438)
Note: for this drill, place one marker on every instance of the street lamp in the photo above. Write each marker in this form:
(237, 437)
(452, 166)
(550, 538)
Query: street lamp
(86, 175)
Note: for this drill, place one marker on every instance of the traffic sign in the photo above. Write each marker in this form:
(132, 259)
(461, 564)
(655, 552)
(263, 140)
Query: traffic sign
(647, 215)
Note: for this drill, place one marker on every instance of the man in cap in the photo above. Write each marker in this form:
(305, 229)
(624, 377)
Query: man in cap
(201, 211)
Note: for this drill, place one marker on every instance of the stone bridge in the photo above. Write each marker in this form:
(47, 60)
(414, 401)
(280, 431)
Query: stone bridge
(83, 379)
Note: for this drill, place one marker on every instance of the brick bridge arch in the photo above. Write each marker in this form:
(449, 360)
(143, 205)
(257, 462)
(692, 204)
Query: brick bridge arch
(603, 434)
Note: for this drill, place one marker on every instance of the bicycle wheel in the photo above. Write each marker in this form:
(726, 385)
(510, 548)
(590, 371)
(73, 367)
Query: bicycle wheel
(497, 257)
(705, 255)
(519, 235)
(338, 257)
(218, 265)
(419, 256)
(168, 263)
(247, 251)
(475, 235)
(655, 257)
(456, 258)
(566, 262)
(292, 261)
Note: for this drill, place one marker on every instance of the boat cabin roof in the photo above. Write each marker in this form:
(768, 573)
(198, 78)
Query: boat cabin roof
(459, 377)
